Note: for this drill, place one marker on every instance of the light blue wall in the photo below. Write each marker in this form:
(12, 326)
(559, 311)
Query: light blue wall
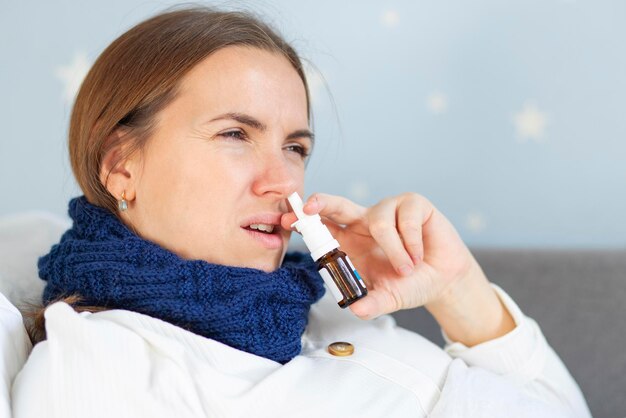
(508, 115)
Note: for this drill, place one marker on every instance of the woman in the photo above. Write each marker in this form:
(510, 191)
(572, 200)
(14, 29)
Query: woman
(187, 137)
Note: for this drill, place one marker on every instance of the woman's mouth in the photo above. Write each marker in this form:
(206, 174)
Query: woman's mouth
(268, 236)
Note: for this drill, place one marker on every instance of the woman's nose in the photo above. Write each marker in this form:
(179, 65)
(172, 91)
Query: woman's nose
(277, 176)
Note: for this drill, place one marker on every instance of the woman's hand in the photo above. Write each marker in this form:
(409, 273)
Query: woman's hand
(410, 255)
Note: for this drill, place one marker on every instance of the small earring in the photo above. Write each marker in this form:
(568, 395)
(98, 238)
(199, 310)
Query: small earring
(122, 205)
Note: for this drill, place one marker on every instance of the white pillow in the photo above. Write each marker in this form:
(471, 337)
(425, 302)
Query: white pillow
(14, 349)
(24, 237)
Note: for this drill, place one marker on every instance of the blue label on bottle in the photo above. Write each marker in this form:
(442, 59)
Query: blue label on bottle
(356, 273)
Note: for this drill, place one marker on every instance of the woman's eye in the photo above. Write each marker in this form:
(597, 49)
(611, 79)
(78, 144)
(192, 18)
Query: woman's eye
(233, 134)
(299, 149)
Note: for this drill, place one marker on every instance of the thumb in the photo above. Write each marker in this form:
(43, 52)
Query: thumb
(375, 304)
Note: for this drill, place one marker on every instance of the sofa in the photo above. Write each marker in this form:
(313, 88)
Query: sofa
(578, 297)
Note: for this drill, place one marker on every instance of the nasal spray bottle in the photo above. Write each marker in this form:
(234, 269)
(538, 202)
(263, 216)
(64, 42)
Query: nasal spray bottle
(333, 264)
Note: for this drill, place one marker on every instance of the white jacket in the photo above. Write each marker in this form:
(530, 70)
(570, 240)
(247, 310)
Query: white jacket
(124, 364)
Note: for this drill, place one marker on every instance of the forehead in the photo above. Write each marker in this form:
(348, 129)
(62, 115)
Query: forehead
(247, 80)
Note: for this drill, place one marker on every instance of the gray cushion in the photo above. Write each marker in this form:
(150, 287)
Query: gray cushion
(577, 297)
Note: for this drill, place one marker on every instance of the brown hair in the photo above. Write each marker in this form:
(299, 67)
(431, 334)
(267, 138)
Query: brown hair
(35, 321)
(133, 79)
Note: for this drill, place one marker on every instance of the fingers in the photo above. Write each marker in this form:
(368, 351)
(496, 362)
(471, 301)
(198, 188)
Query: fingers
(382, 225)
(287, 220)
(376, 303)
(335, 208)
(412, 214)
(396, 225)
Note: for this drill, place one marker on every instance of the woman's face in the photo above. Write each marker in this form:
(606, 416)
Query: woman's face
(225, 154)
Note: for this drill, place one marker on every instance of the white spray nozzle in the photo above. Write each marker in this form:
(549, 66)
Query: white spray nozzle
(298, 207)
(314, 233)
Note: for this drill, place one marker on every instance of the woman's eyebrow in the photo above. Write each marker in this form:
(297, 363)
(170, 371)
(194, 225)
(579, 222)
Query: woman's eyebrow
(302, 133)
(258, 125)
(242, 118)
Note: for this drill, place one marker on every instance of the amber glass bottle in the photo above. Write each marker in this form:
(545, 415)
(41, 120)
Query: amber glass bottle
(334, 266)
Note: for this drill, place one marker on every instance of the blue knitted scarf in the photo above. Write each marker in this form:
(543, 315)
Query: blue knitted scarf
(108, 265)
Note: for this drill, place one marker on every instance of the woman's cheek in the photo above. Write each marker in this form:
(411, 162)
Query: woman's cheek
(227, 169)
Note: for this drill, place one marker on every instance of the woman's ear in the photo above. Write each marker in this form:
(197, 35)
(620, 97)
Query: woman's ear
(119, 168)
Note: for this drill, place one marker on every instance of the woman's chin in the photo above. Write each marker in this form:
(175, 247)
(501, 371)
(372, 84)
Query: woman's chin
(266, 266)
(267, 263)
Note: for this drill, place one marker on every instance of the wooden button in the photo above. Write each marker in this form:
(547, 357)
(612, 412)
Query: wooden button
(341, 349)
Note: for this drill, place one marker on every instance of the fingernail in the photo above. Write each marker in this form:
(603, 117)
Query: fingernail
(311, 206)
(405, 269)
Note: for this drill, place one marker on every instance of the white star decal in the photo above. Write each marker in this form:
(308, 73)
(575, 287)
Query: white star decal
(359, 191)
(390, 18)
(475, 222)
(72, 75)
(437, 103)
(530, 123)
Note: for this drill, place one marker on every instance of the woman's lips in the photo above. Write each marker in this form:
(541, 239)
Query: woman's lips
(270, 241)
